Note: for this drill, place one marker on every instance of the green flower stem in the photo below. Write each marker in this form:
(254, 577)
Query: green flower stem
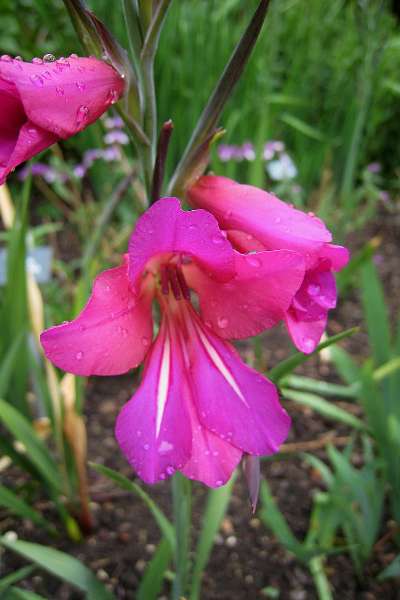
(182, 508)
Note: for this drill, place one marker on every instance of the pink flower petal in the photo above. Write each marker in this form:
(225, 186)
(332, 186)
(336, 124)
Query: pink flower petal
(254, 211)
(153, 428)
(212, 460)
(233, 401)
(256, 299)
(305, 334)
(338, 256)
(65, 96)
(110, 336)
(166, 229)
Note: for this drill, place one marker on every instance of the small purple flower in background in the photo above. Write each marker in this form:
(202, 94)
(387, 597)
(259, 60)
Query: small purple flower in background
(248, 151)
(374, 167)
(225, 152)
(271, 148)
(49, 173)
(228, 152)
(116, 137)
(113, 123)
(282, 168)
(384, 196)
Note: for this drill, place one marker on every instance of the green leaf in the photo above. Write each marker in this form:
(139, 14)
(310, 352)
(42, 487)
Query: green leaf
(15, 593)
(325, 408)
(16, 576)
(11, 501)
(274, 519)
(393, 570)
(8, 365)
(23, 431)
(345, 366)
(308, 384)
(217, 504)
(302, 127)
(125, 483)
(152, 580)
(291, 363)
(61, 565)
(375, 312)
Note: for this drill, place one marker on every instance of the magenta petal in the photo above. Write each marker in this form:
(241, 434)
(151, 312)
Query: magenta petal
(65, 96)
(234, 401)
(337, 255)
(260, 214)
(153, 428)
(166, 229)
(30, 141)
(212, 460)
(255, 299)
(110, 336)
(305, 334)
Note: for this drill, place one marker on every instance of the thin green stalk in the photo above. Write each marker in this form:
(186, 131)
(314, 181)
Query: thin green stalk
(321, 582)
(182, 508)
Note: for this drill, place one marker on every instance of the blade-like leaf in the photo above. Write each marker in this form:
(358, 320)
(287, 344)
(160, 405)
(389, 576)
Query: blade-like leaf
(16, 576)
(152, 580)
(61, 565)
(291, 363)
(8, 365)
(393, 570)
(217, 504)
(10, 500)
(375, 312)
(38, 454)
(124, 483)
(325, 408)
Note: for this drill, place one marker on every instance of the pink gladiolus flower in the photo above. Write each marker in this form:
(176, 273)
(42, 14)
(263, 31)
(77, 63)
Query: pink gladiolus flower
(199, 407)
(42, 102)
(255, 219)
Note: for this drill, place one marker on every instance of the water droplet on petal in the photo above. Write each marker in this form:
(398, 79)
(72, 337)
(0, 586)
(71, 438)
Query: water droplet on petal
(222, 322)
(217, 239)
(138, 432)
(73, 56)
(313, 289)
(79, 355)
(112, 96)
(308, 344)
(170, 470)
(18, 58)
(81, 85)
(6, 58)
(253, 261)
(146, 447)
(219, 482)
(145, 341)
(37, 80)
(82, 115)
(32, 132)
(215, 453)
(37, 61)
(49, 58)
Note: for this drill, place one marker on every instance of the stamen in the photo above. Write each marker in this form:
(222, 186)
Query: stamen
(174, 282)
(182, 282)
(164, 280)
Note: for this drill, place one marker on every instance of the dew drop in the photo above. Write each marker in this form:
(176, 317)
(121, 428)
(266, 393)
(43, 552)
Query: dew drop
(219, 482)
(313, 289)
(32, 132)
(18, 58)
(82, 114)
(6, 58)
(138, 432)
(112, 96)
(308, 344)
(222, 322)
(49, 58)
(217, 239)
(215, 453)
(37, 80)
(311, 214)
(170, 470)
(146, 447)
(207, 453)
(37, 61)
(163, 476)
(79, 355)
(81, 85)
(73, 56)
(145, 341)
(252, 261)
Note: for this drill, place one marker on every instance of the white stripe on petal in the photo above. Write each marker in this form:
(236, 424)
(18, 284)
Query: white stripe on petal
(163, 383)
(220, 365)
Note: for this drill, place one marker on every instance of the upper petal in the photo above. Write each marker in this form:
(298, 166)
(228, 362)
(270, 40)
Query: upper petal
(255, 299)
(65, 96)
(247, 208)
(112, 333)
(167, 229)
(233, 401)
(153, 428)
(338, 256)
